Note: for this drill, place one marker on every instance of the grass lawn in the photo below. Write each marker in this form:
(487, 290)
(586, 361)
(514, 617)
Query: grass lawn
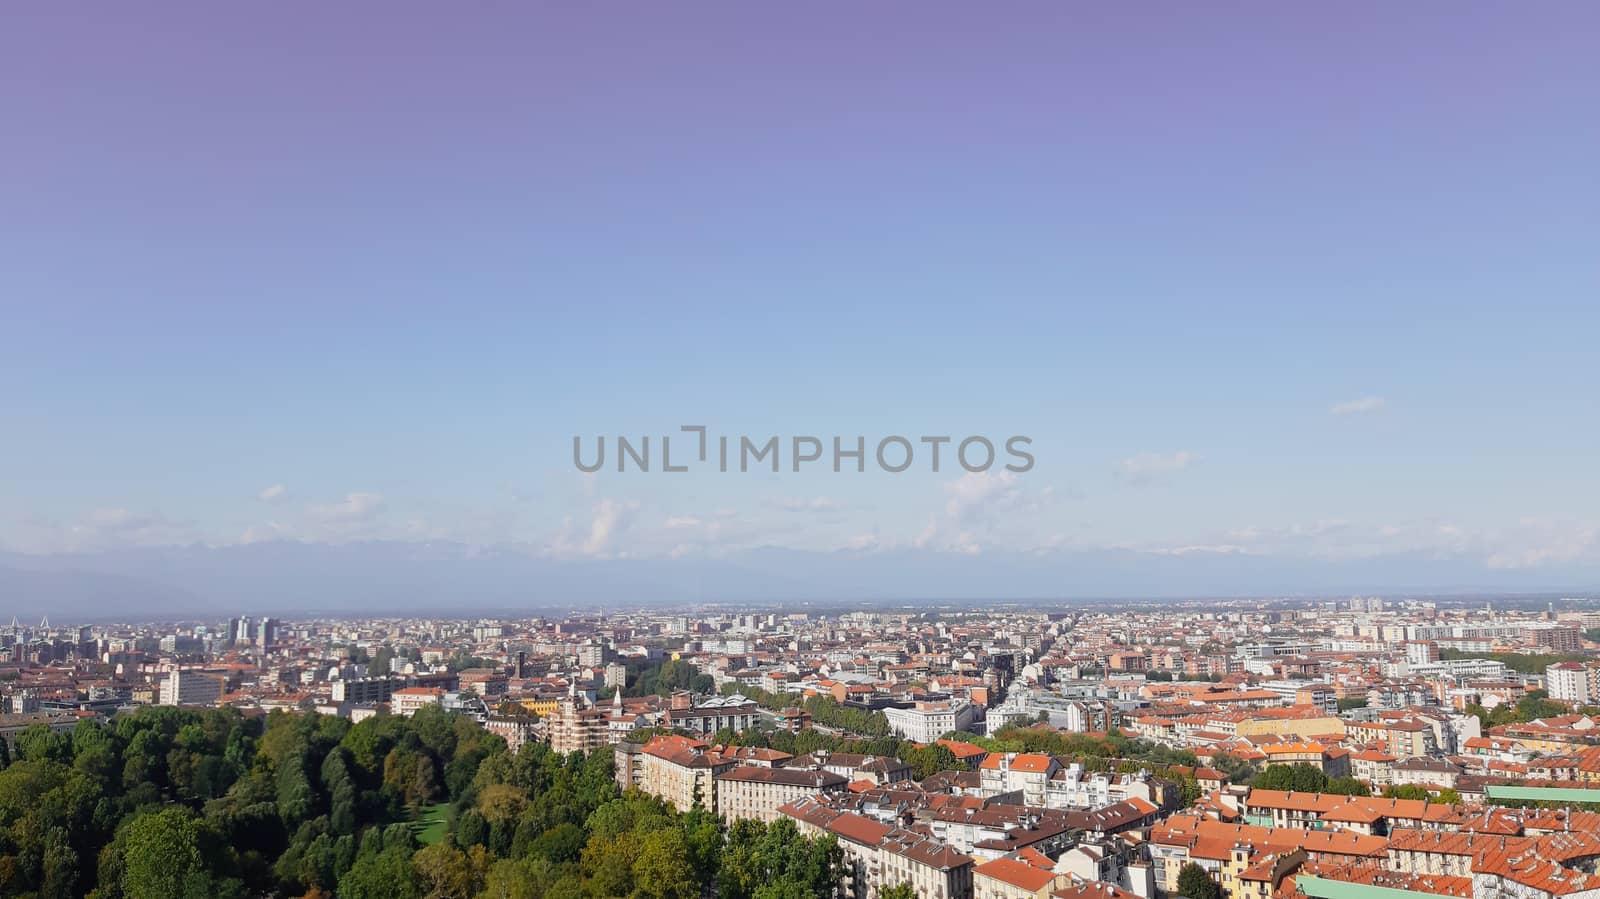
(429, 824)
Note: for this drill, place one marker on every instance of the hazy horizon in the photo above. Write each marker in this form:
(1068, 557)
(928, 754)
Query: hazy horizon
(388, 576)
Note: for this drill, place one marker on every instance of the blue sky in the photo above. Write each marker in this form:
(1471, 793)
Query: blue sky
(365, 277)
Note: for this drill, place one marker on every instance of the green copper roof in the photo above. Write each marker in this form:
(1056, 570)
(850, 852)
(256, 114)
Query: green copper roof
(1318, 888)
(1543, 794)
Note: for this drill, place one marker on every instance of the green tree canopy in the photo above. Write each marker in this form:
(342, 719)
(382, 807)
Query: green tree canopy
(1195, 883)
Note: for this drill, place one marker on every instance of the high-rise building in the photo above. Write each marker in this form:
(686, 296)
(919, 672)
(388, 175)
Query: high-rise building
(1555, 637)
(488, 631)
(1421, 652)
(366, 690)
(592, 655)
(1572, 682)
(577, 726)
(192, 688)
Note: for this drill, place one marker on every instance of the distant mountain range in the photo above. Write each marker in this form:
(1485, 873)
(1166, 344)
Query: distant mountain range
(400, 577)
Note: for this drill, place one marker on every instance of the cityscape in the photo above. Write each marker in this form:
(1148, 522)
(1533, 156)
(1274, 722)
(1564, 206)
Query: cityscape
(726, 450)
(1227, 750)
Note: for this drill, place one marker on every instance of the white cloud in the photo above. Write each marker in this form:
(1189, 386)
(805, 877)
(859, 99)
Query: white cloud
(1360, 406)
(354, 507)
(277, 493)
(1523, 543)
(984, 509)
(119, 520)
(807, 504)
(264, 533)
(966, 545)
(864, 543)
(1154, 468)
(975, 492)
(111, 526)
(630, 529)
(608, 520)
(1262, 534)
(1546, 544)
(1337, 538)
(1202, 549)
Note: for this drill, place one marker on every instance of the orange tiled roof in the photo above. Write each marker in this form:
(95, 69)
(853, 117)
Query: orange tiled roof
(1017, 873)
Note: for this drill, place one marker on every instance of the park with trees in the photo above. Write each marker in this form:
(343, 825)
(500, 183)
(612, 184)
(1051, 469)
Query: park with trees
(169, 803)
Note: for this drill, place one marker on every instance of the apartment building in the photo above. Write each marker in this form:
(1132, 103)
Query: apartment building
(1357, 814)
(855, 767)
(577, 726)
(1297, 721)
(676, 769)
(1554, 637)
(736, 713)
(1402, 739)
(1093, 890)
(879, 855)
(515, 730)
(1372, 765)
(366, 690)
(759, 793)
(1073, 788)
(858, 836)
(1425, 773)
(1573, 682)
(1400, 696)
(998, 829)
(193, 688)
(1022, 875)
(1332, 760)
(12, 724)
(933, 869)
(408, 700)
(1228, 851)
(1299, 692)
(1027, 773)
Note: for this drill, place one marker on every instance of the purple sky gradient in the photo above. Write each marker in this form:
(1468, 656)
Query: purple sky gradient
(405, 251)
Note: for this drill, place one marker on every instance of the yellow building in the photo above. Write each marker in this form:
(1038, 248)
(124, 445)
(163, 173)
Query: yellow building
(541, 706)
(1302, 721)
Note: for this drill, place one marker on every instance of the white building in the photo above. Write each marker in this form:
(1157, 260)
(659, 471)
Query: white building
(192, 688)
(1461, 669)
(1572, 682)
(926, 722)
(405, 702)
(1013, 710)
